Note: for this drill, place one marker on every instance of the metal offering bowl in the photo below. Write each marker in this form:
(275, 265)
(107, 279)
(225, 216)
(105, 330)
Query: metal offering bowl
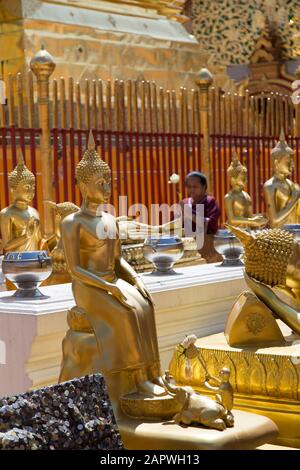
(27, 269)
(294, 229)
(163, 252)
(228, 245)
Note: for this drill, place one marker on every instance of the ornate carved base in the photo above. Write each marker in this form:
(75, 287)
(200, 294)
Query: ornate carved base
(251, 322)
(265, 380)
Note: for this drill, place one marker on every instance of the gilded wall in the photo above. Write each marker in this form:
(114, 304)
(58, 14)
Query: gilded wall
(229, 28)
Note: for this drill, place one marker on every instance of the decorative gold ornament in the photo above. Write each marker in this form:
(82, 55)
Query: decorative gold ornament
(199, 409)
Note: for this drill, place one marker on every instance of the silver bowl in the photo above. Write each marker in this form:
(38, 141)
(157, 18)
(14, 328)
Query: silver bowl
(228, 245)
(163, 252)
(27, 269)
(294, 229)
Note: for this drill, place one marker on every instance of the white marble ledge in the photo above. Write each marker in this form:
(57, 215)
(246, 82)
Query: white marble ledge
(60, 296)
(190, 276)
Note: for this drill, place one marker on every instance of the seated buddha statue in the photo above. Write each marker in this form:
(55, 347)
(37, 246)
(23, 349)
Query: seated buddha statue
(281, 194)
(238, 203)
(272, 272)
(112, 327)
(19, 222)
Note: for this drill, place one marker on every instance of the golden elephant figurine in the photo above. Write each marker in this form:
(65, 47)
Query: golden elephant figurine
(198, 409)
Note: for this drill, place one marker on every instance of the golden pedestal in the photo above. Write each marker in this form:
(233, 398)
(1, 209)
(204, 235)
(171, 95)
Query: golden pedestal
(266, 380)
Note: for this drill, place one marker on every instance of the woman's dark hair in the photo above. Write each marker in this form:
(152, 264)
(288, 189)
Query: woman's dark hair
(196, 174)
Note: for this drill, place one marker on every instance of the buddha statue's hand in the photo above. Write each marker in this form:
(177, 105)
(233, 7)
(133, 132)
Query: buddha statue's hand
(31, 227)
(117, 293)
(260, 220)
(139, 284)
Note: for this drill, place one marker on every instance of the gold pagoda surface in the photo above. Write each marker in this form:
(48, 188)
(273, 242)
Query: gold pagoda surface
(89, 41)
(266, 380)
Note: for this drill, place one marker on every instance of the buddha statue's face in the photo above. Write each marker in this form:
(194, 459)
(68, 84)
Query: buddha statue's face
(239, 182)
(97, 190)
(284, 165)
(24, 192)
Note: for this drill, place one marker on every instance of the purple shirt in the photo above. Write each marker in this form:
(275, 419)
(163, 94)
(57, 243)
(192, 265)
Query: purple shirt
(211, 211)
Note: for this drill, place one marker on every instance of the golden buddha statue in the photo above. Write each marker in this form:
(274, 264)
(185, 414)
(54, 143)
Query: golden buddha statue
(112, 328)
(60, 273)
(19, 222)
(238, 203)
(281, 194)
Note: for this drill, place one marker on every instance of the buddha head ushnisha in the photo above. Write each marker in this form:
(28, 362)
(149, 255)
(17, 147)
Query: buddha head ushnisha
(282, 157)
(21, 182)
(237, 173)
(93, 176)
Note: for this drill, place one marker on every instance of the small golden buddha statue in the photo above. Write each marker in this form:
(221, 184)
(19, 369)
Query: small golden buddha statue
(112, 327)
(19, 222)
(238, 203)
(60, 273)
(272, 272)
(281, 194)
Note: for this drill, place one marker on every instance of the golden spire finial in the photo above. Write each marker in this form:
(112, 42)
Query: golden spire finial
(91, 164)
(235, 159)
(20, 172)
(281, 148)
(282, 136)
(20, 158)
